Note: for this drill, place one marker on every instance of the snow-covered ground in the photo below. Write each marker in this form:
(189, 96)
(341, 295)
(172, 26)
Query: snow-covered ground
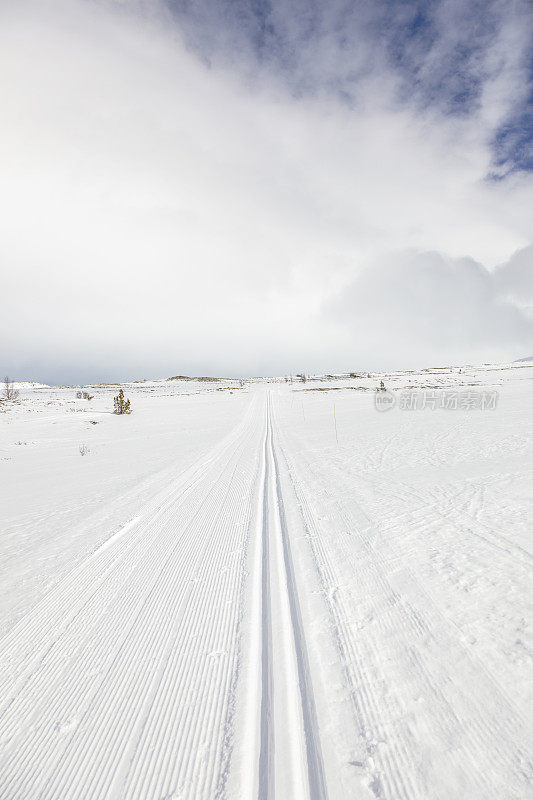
(269, 590)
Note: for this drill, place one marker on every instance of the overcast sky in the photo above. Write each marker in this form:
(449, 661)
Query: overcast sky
(247, 187)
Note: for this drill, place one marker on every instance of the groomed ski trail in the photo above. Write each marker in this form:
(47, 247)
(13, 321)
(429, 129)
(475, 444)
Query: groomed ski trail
(124, 680)
(290, 753)
(118, 684)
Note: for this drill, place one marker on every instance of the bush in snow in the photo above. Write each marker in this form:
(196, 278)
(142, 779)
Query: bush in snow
(10, 393)
(84, 449)
(122, 406)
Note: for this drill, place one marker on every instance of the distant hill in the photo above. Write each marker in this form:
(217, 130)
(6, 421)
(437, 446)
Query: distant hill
(188, 378)
(518, 360)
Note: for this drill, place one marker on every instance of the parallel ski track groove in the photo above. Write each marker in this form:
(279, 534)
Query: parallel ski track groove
(391, 777)
(315, 766)
(266, 750)
(314, 762)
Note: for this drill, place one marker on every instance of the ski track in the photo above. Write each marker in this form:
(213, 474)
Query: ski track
(484, 736)
(123, 681)
(290, 753)
(127, 681)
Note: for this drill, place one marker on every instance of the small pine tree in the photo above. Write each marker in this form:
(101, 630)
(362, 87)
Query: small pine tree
(122, 406)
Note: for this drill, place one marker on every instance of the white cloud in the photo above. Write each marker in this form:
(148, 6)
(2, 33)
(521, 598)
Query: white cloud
(160, 215)
(422, 307)
(514, 279)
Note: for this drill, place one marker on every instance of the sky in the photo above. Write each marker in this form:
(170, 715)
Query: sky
(216, 187)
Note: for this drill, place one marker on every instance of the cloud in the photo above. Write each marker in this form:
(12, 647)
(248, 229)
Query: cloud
(430, 307)
(450, 54)
(514, 279)
(161, 212)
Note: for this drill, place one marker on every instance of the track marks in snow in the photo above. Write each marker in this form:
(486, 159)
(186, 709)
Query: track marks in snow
(112, 539)
(175, 661)
(119, 683)
(432, 721)
(123, 682)
(266, 738)
(290, 758)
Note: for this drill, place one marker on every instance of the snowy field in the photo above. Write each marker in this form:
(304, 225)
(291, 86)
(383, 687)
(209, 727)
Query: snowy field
(271, 590)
